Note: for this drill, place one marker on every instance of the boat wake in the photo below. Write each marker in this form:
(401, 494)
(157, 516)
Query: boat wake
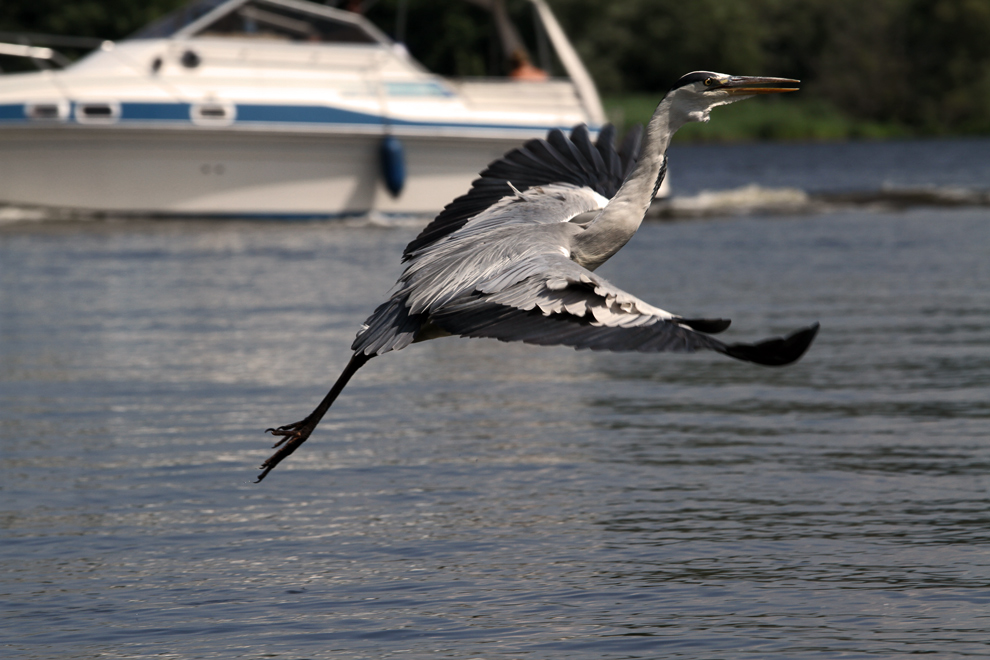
(754, 199)
(737, 201)
(746, 200)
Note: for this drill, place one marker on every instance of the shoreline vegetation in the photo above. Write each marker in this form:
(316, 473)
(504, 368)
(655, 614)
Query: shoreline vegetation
(874, 70)
(808, 120)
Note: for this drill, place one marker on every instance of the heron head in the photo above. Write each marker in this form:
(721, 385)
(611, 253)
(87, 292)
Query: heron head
(695, 94)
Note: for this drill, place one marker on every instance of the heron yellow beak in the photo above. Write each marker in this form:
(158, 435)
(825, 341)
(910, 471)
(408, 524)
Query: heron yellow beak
(749, 85)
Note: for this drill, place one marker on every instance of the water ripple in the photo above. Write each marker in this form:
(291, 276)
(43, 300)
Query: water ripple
(471, 499)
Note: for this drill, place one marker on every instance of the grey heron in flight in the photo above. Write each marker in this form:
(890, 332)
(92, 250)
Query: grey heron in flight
(514, 258)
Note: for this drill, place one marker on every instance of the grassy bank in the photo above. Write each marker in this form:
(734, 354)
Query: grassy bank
(757, 119)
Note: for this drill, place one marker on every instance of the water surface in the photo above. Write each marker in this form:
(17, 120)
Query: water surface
(833, 167)
(472, 499)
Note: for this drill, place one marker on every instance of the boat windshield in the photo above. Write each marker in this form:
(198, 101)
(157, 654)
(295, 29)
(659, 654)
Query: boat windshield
(259, 19)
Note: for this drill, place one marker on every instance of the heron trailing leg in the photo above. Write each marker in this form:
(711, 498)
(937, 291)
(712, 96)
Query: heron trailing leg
(293, 435)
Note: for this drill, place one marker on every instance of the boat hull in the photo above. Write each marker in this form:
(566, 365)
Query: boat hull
(162, 172)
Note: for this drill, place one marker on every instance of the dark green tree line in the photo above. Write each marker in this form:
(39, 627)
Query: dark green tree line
(924, 64)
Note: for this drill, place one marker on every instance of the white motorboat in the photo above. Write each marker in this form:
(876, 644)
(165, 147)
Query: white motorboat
(268, 108)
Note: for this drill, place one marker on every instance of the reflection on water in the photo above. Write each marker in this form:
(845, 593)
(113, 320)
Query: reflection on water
(478, 499)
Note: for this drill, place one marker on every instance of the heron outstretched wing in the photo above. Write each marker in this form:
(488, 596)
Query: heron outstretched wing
(597, 166)
(565, 304)
(507, 274)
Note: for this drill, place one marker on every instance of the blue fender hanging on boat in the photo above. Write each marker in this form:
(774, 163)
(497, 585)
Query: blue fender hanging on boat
(393, 164)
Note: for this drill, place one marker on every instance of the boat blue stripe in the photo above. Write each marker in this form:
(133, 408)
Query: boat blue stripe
(274, 114)
(12, 112)
(155, 111)
(304, 114)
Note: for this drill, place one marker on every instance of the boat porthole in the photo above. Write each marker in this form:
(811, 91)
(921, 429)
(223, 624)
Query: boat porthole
(213, 113)
(47, 111)
(97, 112)
(190, 59)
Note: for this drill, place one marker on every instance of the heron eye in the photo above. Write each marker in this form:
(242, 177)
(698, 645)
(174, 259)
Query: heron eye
(708, 82)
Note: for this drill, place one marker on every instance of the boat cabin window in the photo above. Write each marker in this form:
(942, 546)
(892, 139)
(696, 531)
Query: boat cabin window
(257, 19)
(470, 38)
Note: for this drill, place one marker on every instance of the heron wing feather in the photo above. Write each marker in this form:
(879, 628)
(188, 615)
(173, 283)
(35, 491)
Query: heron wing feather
(504, 244)
(556, 159)
(565, 304)
(560, 302)
(480, 318)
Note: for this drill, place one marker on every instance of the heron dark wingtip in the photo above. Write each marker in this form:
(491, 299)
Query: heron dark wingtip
(775, 352)
(707, 326)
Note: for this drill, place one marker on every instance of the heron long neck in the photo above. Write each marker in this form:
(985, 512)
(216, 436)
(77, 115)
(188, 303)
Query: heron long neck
(620, 219)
